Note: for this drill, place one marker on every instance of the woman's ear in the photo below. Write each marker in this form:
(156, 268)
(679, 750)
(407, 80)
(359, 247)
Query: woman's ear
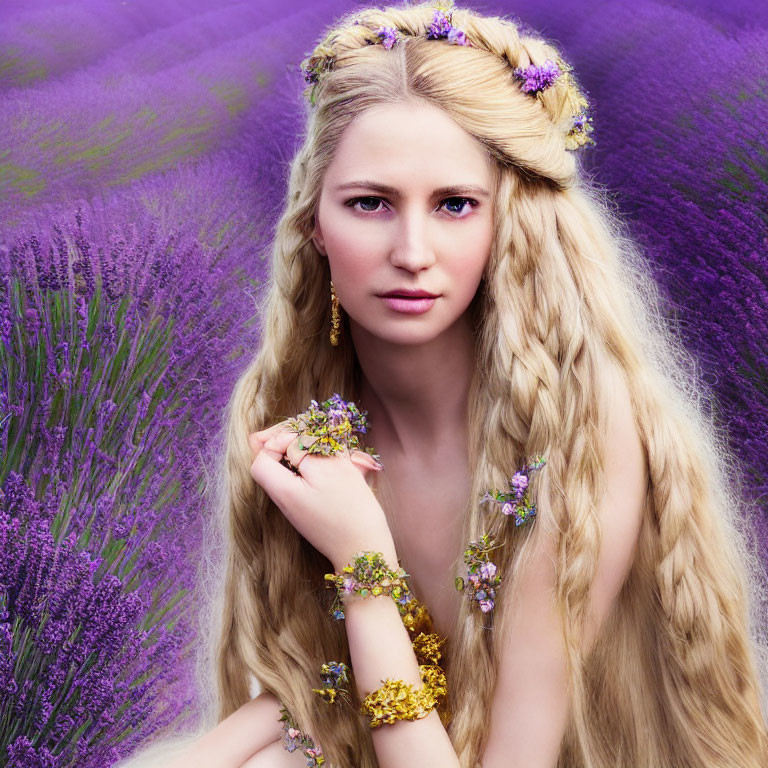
(317, 239)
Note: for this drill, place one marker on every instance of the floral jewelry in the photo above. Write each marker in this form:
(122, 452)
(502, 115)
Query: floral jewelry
(335, 675)
(335, 317)
(294, 739)
(397, 700)
(334, 424)
(517, 502)
(481, 579)
(368, 576)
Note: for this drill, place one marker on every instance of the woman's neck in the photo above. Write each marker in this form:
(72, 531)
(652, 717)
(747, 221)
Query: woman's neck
(416, 396)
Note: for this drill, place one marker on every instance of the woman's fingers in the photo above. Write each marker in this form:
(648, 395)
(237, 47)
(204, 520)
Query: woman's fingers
(296, 449)
(279, 440)
(256, 440)
(364, 461)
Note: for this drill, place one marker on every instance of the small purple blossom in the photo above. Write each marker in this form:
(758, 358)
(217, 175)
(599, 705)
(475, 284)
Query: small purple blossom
(441, 27)
(310, 76)
(457, 36)
(517, 502)
(481, 579)
(519, 483)
(388, 36)
(538, 78)
(487, 571)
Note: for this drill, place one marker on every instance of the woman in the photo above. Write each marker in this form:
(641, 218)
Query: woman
(624, 631)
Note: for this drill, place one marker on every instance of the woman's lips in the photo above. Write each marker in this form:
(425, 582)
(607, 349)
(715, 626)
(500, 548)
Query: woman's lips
(415, 306)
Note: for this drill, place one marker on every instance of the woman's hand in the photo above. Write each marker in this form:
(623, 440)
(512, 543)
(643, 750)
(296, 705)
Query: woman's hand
(329, 502)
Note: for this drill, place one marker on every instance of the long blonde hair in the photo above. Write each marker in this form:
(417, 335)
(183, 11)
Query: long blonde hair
(677, 675)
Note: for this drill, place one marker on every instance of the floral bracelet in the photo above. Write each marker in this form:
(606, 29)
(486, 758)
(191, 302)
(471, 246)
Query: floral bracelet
(294, 739)
(397, 700)
(369, 575)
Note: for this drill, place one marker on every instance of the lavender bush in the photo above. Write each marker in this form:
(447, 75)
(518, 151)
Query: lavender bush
(116, 362)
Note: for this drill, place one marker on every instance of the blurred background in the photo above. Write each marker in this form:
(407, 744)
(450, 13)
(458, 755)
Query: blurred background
(144, 150)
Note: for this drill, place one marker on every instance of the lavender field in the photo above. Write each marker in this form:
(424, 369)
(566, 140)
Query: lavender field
(143, 159)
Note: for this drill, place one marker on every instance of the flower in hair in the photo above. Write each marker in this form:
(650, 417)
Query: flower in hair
(481, 578)
(518, 502)
(578, 135)
(441, 27)
(538, 78)
(335, 675)
(310, 76)
(387, 35)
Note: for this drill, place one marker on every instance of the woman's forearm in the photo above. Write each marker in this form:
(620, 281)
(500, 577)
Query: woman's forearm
(380, 647)
(236, 738)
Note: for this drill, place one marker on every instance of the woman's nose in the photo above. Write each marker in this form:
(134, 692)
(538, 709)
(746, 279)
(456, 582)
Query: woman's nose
(412, 247)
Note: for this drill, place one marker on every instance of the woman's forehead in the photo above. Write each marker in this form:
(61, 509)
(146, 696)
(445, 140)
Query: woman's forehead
(409, 140)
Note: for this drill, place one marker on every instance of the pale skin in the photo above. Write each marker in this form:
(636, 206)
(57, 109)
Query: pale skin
(416, 375)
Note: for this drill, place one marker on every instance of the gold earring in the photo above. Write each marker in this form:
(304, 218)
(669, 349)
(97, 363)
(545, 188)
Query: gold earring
(335, 317)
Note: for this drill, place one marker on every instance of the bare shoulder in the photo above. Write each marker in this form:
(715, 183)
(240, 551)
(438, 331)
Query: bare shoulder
(237, 738)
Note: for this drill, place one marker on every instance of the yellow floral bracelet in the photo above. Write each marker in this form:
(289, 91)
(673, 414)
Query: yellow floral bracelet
(397, 700)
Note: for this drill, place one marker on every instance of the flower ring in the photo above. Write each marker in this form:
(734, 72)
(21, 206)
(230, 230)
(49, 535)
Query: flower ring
(297, 450)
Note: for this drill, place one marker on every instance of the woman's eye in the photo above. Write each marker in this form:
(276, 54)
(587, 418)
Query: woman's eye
(461, 201)
(455, 205)
(365, 201)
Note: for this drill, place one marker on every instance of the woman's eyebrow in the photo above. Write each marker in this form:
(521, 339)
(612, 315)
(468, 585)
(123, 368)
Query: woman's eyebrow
(459, 189)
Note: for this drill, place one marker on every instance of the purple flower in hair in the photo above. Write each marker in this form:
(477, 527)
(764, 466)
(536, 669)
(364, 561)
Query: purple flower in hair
(456, 35)
(519, 483)
(440, 26)
(388, 36)
(538, 78)
(481, 578)
(310, 76)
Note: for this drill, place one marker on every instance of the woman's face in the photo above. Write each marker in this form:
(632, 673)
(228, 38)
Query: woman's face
(406, 204)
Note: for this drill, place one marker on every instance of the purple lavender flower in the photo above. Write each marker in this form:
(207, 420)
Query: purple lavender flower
(388, 36)
(77, 630)
(538, 78)
(104, 314)
(440, 25)
(457, 36)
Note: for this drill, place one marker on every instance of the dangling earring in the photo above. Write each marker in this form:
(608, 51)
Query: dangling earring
(335, 317)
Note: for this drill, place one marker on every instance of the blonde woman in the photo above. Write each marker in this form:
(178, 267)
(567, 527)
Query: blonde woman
(627, 628)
